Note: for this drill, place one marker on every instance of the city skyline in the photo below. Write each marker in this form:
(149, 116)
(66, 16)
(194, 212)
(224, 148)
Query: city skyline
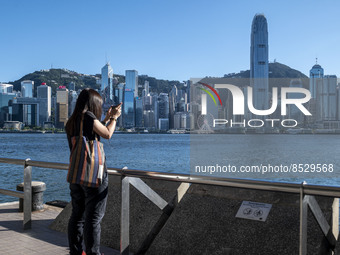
(174, 41)
(143, 112)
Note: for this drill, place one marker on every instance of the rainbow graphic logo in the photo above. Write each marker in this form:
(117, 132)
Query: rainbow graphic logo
(209, 93)
(205, 120)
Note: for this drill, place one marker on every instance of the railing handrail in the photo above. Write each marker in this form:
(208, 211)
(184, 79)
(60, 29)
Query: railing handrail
(128, 176)
(309, 189)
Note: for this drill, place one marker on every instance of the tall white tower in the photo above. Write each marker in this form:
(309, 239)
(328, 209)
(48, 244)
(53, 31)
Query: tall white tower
(107, 76)
(259, 62)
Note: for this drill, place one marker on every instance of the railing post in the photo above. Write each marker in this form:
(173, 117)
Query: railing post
(125, 217)
(27, 195)
(335, 218)
(303, 222)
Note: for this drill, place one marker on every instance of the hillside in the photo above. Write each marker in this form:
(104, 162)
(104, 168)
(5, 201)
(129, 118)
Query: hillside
(159, 86)
(278, 73)
(58, 77)
(276, 70)
(62, 77)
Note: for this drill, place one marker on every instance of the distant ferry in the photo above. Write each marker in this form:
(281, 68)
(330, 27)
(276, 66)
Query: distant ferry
(325, 131)
(295, 131)
(177, 131)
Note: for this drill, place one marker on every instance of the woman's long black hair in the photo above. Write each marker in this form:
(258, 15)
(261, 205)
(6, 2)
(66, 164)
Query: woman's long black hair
(88, 100)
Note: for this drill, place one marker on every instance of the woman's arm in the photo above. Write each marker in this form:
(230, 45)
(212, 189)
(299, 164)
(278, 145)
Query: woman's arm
(107, 131)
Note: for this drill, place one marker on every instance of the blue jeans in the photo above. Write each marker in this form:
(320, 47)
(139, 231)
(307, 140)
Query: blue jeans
(88, 209)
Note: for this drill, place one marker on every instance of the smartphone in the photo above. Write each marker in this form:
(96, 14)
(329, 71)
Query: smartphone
(114, 106)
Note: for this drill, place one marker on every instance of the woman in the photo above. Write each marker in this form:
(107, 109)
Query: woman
(89, 204)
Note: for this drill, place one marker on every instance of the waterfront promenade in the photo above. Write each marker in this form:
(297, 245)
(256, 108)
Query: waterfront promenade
(38, 240)
(169, 213)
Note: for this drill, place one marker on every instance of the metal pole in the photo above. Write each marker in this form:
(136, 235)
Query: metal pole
(303, 222)
(27, 195)
(125, 217)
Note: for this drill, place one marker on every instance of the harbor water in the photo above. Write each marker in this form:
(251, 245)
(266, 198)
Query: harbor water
(172, 153)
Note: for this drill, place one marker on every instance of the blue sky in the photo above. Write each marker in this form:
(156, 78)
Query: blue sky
(173, 40)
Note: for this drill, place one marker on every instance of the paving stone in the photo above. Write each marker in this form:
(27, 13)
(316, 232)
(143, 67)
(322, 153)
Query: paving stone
(38, 240)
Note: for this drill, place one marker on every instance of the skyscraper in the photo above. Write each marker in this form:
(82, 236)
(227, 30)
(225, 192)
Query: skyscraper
(130, 93)
(163, 111)
(315, 81)
(139, 112)
(128, 109)
(44, 96)
(163, 105)
(107, 73)
(315, 75)
(107, 78)
(6, 94)
(27, 88)
(293, 111)
(259, 62)
(131, 81)
(72, 100)
(120, 94)
(6, 88)
(146, 89)
(172, 105)
(26, 110)
(71, 86)
(326, 99)
(62, 107)
(155, 109)
(148, 112)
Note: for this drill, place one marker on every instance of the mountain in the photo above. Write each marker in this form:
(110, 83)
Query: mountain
(276, 70)
(58, 77)
(279, 75)
(62, 77)
(159, 86)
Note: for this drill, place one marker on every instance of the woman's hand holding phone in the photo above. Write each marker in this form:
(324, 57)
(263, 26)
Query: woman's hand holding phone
(116, 111)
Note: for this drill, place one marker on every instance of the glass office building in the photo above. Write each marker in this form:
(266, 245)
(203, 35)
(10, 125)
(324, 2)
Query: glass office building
(107, 83)
(44, 94)
(27, 88)
(130, 93)
(6, 88)
(315, 75)
(139, 112)
(128, 109)
(131, 81)
(5, 112)
(26, 110)
(163, 111)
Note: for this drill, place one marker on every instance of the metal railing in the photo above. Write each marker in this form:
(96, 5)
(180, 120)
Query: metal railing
(306, 191)
(26, 195)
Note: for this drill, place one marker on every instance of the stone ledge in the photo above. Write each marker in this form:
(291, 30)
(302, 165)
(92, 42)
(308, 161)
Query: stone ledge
(204, 222)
